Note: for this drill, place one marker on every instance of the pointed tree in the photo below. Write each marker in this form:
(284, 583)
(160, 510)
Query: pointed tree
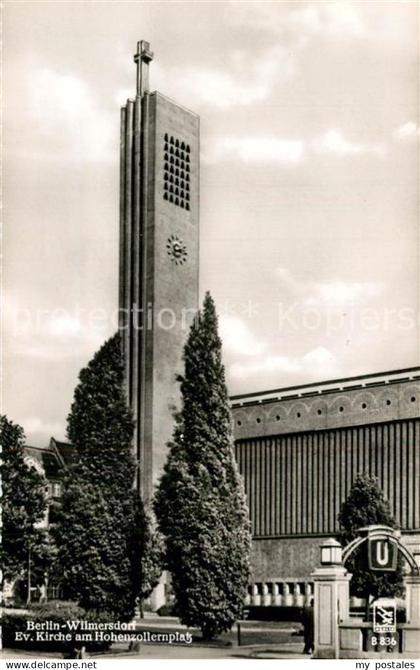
(366, 505)
(100, 527)
(200, 503)
(23, 504)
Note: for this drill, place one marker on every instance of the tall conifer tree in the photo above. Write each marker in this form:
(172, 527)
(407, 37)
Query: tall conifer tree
(200, 503)
(102, 522)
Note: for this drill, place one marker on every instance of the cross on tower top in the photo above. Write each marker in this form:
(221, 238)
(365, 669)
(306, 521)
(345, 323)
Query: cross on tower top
(142, 59)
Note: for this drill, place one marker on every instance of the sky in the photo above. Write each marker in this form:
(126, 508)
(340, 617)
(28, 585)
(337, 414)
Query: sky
(309, 209)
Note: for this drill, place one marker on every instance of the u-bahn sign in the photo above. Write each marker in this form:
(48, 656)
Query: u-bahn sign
(382, 554)
(385, 616)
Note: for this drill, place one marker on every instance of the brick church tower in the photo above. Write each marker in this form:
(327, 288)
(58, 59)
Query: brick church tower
(158, 280)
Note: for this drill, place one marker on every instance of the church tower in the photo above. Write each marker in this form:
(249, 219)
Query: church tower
(158, 280)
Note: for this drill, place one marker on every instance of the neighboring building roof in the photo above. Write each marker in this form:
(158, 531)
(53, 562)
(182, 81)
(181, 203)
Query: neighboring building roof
(51, 460)
(65, 450)
(329, 386)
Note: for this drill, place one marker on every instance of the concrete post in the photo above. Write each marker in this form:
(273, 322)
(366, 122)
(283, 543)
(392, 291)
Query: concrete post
(276, 597)
(256, 597)
(288, 596)
(265, 596)
(412, 598)
(331, 602)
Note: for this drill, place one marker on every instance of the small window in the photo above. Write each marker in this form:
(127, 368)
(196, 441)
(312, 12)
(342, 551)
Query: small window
(177, 143)
(319, 412)
(341, 409)
(277, 418)
(176, 201)
(165, 195)
(388, 402)
(182, 204)
(187, 148)
(182, 146)
(187, 206)
(298, 415)
(172, 140)
(413, 398)
(165, 137)
(258, 420)
(239, 423)
(364, 405)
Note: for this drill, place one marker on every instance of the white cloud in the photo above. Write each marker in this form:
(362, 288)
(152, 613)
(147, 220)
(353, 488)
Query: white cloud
(330, 293)
(238, 338)
(35, 424)
(286, 151)
(256, 149)
(335, 19)
(57, 333)
(408, 131)
(63, 109)
(342, 293)
(301, 23)
(334, 142)
(243, 81)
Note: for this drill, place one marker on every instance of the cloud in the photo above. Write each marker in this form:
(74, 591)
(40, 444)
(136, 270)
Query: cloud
(318, 362)
(330, 293)
(64, 112)
(342, 293)
(301, 24)
(238, 338)
(408, 131)
(334, 19)
(56, 333)
(245, 80)
(334, 142)
(286, 151)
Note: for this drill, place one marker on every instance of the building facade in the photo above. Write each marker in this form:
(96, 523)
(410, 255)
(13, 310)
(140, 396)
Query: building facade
(158, 288)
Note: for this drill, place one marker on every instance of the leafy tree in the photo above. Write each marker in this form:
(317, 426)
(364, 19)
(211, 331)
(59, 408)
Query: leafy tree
(23, 506)
(366, 505)
(200, 503)
(98, 535)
